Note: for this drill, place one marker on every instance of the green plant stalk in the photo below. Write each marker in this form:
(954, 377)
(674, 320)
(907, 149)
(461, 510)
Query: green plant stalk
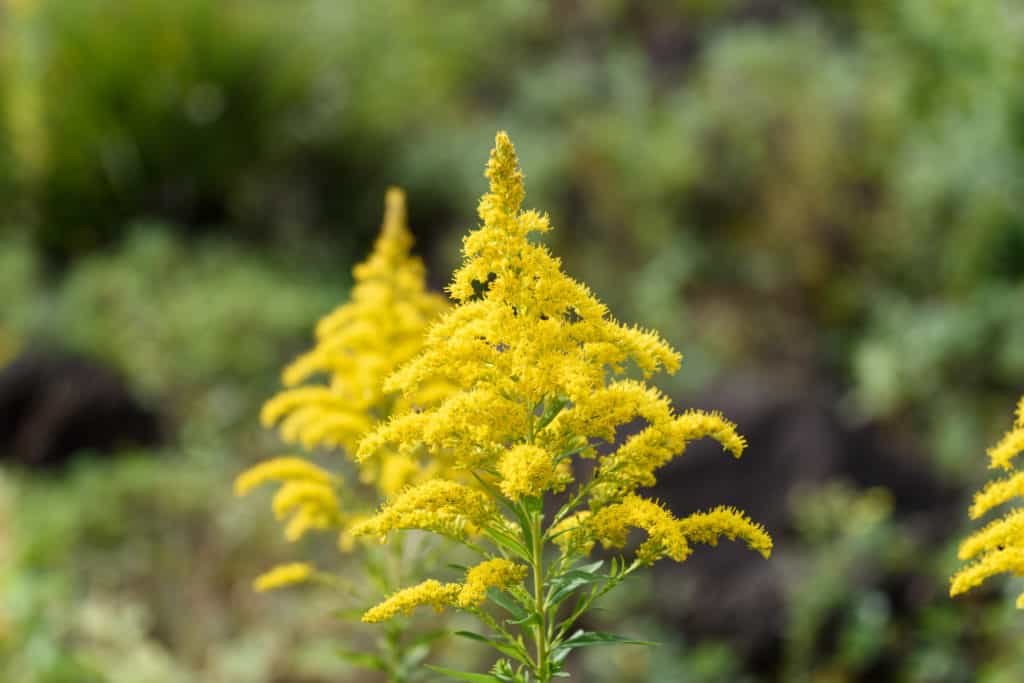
(543, 669)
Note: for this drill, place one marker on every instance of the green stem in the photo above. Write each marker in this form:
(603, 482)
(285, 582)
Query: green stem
(541, 634)
(396, 649)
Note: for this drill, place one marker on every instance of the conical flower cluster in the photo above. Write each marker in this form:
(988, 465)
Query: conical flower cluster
(334, 392)
(542, 375)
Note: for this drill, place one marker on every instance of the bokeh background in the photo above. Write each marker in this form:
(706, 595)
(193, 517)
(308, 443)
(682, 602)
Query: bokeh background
(819, 202)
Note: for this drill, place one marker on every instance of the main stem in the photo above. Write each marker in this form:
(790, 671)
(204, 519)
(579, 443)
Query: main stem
(541, 629)
(537, 518)
(394, 633)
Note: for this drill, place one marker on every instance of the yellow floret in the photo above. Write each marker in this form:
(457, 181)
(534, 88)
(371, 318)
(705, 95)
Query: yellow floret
(526, 470)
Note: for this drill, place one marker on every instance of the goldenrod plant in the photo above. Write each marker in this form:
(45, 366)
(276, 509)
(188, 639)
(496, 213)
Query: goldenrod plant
(998, 547)
(357, 346)
(541, 377)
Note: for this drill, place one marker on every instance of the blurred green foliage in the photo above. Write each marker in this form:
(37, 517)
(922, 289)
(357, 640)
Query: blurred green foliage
(832, 185)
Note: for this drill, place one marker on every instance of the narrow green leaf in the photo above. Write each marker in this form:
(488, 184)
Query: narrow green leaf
(566, 584)
(503, 540)
(585, 638)
(510, 605)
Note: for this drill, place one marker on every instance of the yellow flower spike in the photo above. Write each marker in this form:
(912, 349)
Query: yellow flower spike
(635, 463)
(1008, 448)
(498, 573)
(665, 538)
(998, 547)
(996, 493)
(357, 345)
(434, 593)
(708, 527)
(282, 469)
(1006, 560)
(283, 575)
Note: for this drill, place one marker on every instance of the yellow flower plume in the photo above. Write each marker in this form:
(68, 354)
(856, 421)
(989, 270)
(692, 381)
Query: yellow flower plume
(357, 346)
(541, 372)
(998, 547)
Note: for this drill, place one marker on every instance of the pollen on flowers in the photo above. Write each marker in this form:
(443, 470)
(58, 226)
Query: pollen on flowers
(998, 547)
(526, 470)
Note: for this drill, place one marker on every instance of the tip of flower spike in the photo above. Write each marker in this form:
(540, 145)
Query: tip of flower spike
(506, 180)
(395, 239)
(283, 575)
(394, 209)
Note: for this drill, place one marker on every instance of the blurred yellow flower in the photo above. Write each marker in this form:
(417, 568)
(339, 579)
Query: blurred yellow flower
(283, 575)
(357, 346)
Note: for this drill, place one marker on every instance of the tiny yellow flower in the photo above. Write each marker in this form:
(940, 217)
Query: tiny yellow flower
(526, 470)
